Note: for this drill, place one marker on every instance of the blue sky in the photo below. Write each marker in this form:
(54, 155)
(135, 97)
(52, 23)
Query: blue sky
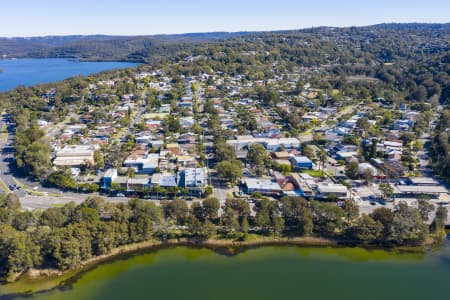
(133, 17)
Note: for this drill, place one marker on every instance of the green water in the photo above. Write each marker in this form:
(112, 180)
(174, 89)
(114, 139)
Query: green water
(262, 273)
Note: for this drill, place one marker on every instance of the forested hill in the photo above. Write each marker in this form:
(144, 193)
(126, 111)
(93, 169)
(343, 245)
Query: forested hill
(147, 48)
(104, 47)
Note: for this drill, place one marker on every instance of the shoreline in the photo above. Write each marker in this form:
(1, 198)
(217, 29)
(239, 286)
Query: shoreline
(40, 281)
(220, 246)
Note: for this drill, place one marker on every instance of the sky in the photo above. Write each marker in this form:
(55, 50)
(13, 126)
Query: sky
(146, 17)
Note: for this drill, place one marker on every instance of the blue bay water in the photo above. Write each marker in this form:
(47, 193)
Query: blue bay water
(35, 71)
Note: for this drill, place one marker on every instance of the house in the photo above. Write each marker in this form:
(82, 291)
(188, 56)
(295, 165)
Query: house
(281, 155)
(282, 158)
(245, 141)
(403, 125)
(145, 139)
(75, 156)
(174, 148)
(302, 162)
(187, 138)
(263, 186)
(157, 144)
(325, 191)
(347, 156)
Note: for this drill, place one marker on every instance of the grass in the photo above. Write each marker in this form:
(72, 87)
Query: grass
(305, 133)
(4, 134)
(314, 173)
(54, 195)
(4, 187)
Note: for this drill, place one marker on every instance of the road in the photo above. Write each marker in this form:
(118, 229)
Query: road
(30, 202)
(7, 157)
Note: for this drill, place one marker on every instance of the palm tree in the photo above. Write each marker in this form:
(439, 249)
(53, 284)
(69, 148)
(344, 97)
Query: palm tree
(322, 155)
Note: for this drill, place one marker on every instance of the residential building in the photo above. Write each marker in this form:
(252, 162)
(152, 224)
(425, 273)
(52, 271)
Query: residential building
(302, 162)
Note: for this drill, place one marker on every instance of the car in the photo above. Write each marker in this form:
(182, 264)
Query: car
(120, 195)
(373, 203)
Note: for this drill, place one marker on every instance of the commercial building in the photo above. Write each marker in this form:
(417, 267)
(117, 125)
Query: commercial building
(74, 156)
(145, 164)
(325, 191)
(263, 186)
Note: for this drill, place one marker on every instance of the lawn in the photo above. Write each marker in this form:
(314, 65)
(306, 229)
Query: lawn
(314, 173)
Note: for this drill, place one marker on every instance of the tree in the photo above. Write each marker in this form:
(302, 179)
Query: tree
(209, 190)
(176, 210)
(257, 156)
(297, 215)
(262, 209)
(285, 169)
(268, 216)
(17, 252)
(229, 170)
(12, 201)
(211, 207)
(386, 217)
(308, 152)
(352, 169)
(172, 124)
(99, 160)
(351, 211)
(197, 211)
(224, 152)
(365, 230)
(32, 151)
(363, 123)
(322, 156)
(53, 217)
(425, 208)
(408, 227)
(327, 218)
(386, 189)
(440, 219)
(62, 179)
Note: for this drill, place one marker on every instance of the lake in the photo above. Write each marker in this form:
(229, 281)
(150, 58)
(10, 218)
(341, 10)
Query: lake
(284, 272)
(34, 71)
